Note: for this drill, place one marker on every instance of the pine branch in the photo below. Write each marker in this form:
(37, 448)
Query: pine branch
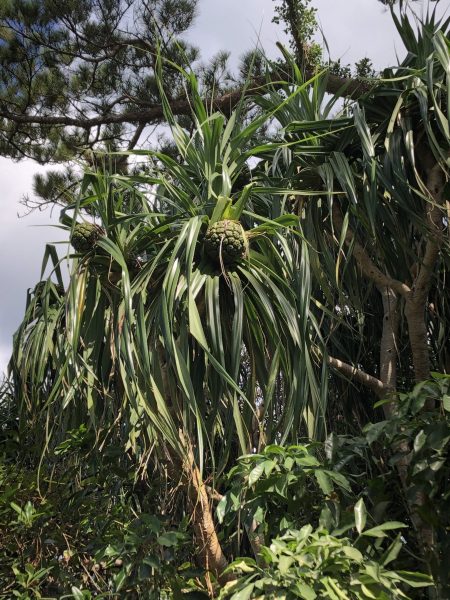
(343, 87)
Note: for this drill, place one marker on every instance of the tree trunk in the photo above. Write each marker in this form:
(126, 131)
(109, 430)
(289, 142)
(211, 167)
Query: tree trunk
(417, 298)
(415, 312)
(211, 554)
(388, 346)
(418, 338)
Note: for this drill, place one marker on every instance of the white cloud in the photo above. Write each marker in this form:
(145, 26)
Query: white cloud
(358, 28)
(5, 355)
(235, 25)
(22, 246)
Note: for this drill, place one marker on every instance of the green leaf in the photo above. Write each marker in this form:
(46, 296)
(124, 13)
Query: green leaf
(238, 207)
(379, 531)
(288, 463)
(305, 591)
(392, 552)
(415, 580)
(374, 430)
(353, 553)
(420, 440)
(446, 402)
(340, 479)
(245, 593)
(324, 481)
(170, 538)
(223, 204)
(285, 563)
(269, 466)
(246, 565)
(255, 474)
(368, 593)
(221, 508)
(307, 461)
(120, 579)
(360, 512)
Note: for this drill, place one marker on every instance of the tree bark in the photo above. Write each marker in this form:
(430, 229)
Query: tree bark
(374, 384)
(417, 298)
(210, 550)
(388, 347)
(211, 556)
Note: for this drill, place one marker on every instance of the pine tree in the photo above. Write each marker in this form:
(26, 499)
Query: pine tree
(79, 75)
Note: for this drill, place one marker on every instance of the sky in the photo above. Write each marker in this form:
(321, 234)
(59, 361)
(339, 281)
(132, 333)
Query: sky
(353, 29)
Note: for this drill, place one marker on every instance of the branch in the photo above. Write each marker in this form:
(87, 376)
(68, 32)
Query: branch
(389, 346)
(365, 263)
(213, 493)
(434, 217)
(416, 300)
(137, 134)
(300, 44)
(358, 375)
(335, 85)
(151, 114)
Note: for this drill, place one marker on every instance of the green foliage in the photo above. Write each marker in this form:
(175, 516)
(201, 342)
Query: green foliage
(75, 59)
(153, 337)
(422, 418)
(419, 433)
(89, 528)
(156, 361)
(100, 534)
(283, 488)
(312, 564)
(373, 174)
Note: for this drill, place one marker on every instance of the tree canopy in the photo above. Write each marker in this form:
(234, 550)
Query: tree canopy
(78, 75)
(81, 75)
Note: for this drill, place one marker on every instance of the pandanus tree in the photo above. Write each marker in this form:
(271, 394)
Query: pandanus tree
(186, 329)
(378, 236)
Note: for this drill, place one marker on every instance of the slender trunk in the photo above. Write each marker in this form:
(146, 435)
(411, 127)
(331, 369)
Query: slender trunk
(210, 550)
(415, 312)
(211, 556)
(388, 375)
(388, 346)
(417, 298)
(418, 338)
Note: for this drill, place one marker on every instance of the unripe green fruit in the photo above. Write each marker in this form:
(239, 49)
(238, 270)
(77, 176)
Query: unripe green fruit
(226, 241)
(85, 236)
